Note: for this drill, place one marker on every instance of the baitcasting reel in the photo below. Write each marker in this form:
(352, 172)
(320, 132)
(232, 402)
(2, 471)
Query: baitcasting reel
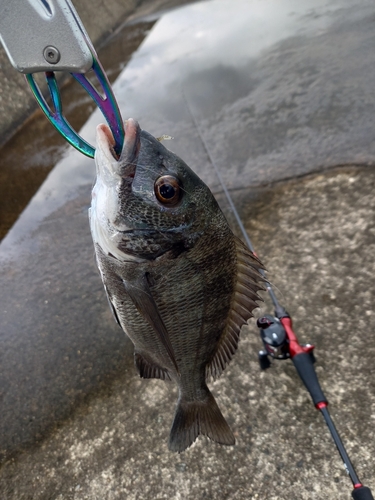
(275, 341)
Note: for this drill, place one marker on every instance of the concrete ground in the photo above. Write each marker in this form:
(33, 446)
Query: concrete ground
(114, 445)
(295, 144)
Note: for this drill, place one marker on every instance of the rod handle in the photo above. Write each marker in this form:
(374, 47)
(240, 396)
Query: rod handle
(305, 368)
(362, 493)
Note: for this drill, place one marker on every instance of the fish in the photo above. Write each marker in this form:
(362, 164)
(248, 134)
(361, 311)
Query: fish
(179, 282)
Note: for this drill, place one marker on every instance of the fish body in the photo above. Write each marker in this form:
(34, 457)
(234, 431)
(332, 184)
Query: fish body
(179, 283)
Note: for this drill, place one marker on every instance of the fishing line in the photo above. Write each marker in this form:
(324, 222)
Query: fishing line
(230, 200)
(217, 171)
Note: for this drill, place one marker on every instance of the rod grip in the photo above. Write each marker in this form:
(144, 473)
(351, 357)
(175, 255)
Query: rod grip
(362, 493)
(305, 368)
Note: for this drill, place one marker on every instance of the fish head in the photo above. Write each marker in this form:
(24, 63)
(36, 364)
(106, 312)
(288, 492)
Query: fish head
(148, 193)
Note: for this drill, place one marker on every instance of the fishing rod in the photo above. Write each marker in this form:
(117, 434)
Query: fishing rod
(280, 343)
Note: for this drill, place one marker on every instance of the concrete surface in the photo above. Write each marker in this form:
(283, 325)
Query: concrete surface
(282, 89)
(76, 421)
(322, 261)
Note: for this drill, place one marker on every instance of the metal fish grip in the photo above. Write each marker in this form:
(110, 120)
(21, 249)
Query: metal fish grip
(48, 36)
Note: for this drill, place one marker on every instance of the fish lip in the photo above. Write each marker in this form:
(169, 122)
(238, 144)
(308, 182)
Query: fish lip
(125, 165)
(105, 156)
(127, 162)
(105, 140)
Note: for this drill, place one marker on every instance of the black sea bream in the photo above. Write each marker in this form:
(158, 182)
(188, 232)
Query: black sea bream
(179, 283)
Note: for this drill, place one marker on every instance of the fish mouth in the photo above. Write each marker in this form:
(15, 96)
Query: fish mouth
(105, 141)
(105, 154)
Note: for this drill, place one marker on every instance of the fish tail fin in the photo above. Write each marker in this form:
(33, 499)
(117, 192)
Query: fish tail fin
(198, 417)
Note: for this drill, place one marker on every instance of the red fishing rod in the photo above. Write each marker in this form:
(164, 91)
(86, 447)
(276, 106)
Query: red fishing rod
(280, 342)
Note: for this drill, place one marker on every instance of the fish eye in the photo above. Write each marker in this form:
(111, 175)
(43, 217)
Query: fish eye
(167, 190)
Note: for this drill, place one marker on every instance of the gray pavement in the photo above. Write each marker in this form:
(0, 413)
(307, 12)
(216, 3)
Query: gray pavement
(114, 446)
(77, 422)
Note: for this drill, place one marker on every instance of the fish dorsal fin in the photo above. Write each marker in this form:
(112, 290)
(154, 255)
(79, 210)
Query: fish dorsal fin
(245, 294)
(140, 293)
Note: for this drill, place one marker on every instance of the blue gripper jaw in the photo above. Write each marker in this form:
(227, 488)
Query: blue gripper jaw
(107, 104)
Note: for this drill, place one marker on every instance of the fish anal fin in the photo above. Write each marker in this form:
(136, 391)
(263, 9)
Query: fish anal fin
(248, 282)
(146, 369)
(193, 418)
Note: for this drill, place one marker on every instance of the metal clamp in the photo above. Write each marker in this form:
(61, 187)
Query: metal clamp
(44, 35)
(48, 36)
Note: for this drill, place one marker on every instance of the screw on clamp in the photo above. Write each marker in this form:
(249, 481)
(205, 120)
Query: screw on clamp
(51, 54)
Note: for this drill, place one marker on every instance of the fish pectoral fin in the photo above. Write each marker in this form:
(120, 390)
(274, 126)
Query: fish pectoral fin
(140, 293)
(146, 369)
(112, 307)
